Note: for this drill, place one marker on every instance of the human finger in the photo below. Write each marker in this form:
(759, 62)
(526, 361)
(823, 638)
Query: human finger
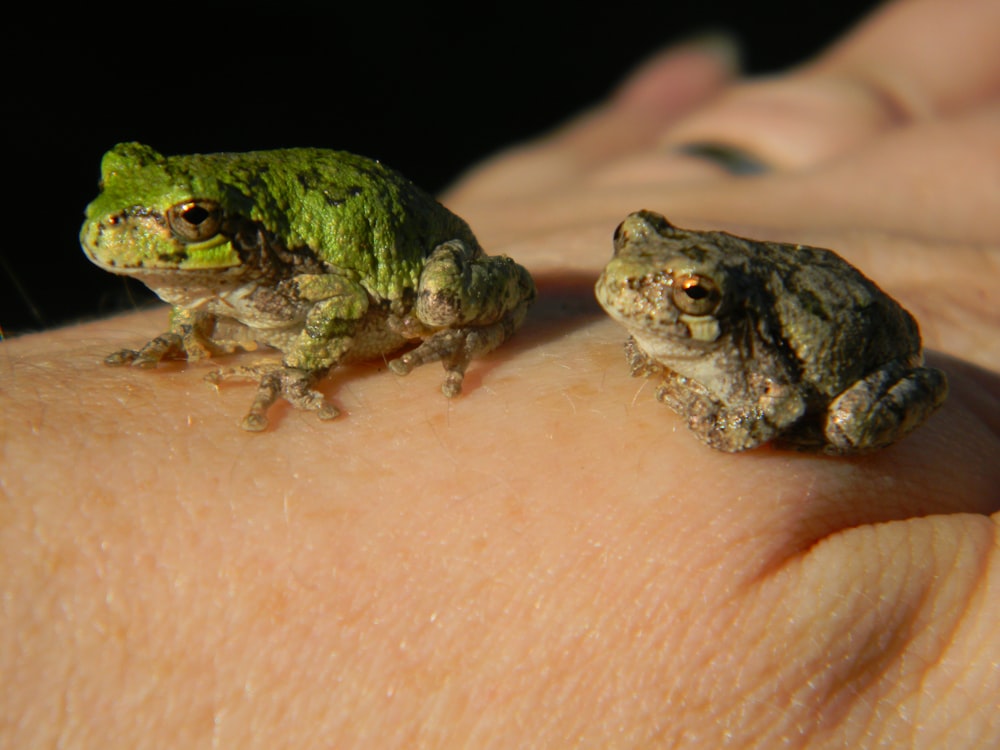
(933, 181)
(909, 61)
(660, 91)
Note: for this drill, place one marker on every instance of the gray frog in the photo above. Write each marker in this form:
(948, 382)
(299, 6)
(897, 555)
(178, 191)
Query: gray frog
(758, 341)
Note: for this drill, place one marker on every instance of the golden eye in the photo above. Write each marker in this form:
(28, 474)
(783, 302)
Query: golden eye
(696, 295)
(195, 221)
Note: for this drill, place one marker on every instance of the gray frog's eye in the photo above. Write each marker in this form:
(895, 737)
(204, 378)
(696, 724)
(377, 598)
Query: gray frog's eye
(618, 240)
(640, 225)
(195, 221)
(696, 295)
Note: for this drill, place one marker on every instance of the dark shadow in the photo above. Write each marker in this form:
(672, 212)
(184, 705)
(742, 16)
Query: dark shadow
(946, 466)
(977, 388)
(565, 301)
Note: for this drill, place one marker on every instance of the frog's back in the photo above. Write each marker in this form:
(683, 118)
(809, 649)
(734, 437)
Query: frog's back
(835, 318)
(354, 212)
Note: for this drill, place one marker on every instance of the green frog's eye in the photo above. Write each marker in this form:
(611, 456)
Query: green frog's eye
(696, 295)
(195, 221)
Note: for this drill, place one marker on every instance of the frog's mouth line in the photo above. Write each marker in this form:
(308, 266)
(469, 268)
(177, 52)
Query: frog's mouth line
(243, 248)
(149, 271)
(152, 275)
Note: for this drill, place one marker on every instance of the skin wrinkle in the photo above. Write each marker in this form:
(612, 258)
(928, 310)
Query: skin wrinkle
(880, 666)
(967, 689)
(829, 684)
(898, 102)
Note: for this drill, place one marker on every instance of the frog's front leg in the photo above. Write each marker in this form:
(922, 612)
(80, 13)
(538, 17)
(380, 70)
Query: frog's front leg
(640, 364)
(882, 407)
(468, 303)
(188, 337)
(274, 381)
(338, 306)
(725, 427)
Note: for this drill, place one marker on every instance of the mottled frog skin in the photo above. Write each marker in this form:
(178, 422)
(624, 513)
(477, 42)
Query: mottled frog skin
(326, 256)
(764, 341)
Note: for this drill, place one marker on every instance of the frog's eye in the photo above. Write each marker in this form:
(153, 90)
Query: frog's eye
(619, 238)
(696, 295)
(195, 221)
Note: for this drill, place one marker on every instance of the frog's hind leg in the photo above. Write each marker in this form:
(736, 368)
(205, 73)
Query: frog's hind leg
(470, 303)
(883, 407)
(276, 381)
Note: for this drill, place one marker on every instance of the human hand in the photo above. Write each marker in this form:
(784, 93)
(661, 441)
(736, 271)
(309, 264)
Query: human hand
(551, 559)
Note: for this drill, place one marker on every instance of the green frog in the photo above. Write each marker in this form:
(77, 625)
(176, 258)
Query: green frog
(326, 256)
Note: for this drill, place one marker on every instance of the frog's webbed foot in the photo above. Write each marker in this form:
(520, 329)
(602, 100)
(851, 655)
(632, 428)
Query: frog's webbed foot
(162, 347)
(882, 407)
(727, 428)
(186, 341)
(276, 381)
(639, 363)
(455, 348)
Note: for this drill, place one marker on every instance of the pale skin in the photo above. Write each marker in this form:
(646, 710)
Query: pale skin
(549, 560)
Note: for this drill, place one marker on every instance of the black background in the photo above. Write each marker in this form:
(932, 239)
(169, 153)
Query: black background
(427, 91)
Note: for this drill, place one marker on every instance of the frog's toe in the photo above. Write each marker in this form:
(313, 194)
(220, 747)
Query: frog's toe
(121, 358)
(441, 346)
(164, 346)
(452, 385)
(143, 362)
(453, 348)
(256, 419)
(295, 386)
(132, 358)
(254, 422)
(403, 365)
(274, 382)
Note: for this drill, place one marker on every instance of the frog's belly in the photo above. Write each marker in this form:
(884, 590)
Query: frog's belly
(371, 341)
(374, 339)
